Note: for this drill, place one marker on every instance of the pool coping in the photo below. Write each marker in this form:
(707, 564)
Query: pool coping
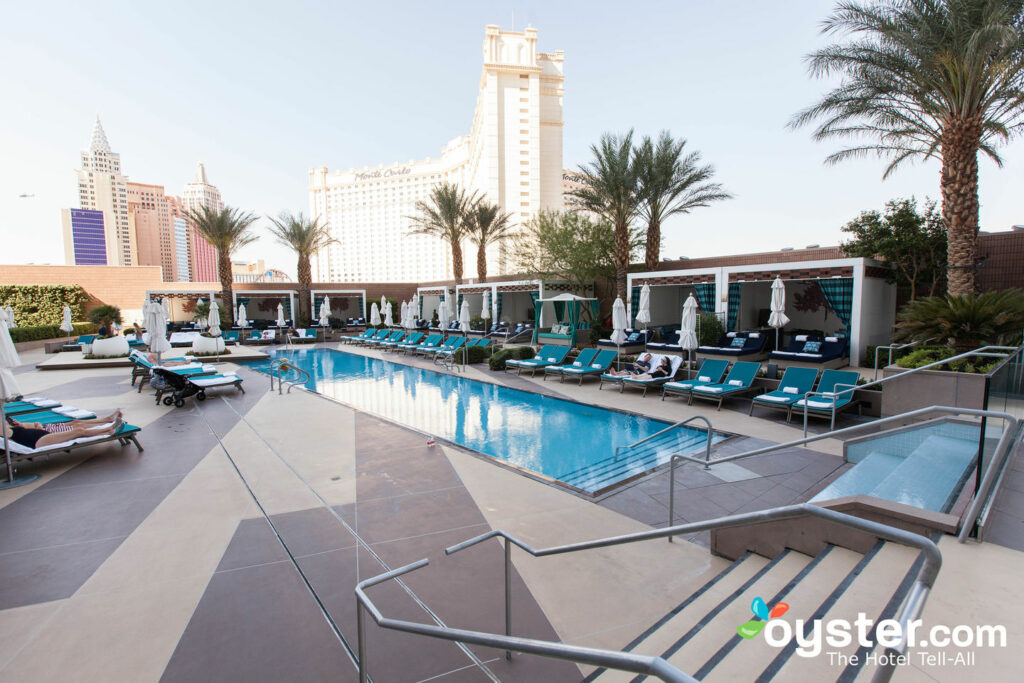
(536, 476)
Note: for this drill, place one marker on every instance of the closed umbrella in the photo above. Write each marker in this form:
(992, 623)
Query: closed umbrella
(374, 315)
(242, 317)
(383, 303)
(213, 319)
(325, 312)
(156, 324)
(67, 325)
(403, 321)
(619, 323)
(444, 316)
(280, 316)
(485, 306)
(10, 318)
(778, 318)
(388, 319)
(8, 390)
(643, 311)
(166, 305)
(464, 317)
(688, 327)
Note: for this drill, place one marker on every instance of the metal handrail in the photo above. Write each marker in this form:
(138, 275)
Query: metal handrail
(983, 351)
(627, 661)
(896, 347)
(278, 366)
(988, 489)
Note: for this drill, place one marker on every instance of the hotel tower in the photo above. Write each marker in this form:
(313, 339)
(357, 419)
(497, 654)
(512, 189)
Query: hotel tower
(512, 156)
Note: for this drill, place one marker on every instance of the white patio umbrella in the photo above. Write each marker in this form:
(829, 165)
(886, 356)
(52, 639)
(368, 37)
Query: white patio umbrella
(280, 316)
(444, 316)
(242, 318)
(643, 311)
(374, 315)
(485, 306)
(325, 312)
(778, 318)
(10, 318)
(403, 320)
(166, 305)
(464, 317)
(383, 303)
(8, 390)
(68, 326)
(213, 319)
(688, 327)
(620, 321)
(388, 319)
(156, 324)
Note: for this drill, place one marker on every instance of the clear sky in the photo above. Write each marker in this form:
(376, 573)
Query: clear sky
(263, 91)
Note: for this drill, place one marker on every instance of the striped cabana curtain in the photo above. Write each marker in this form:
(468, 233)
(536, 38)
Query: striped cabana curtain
(839, 294)
(634, 304)
(705, 293)
(734, 305)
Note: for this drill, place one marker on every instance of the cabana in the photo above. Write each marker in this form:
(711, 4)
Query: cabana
(566, 311)
(180, 303)
(261, 304)
(345, 304)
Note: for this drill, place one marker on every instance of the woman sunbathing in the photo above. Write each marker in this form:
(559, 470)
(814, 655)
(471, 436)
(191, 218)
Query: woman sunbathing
(40, 438)
(61, 427)
(663, 370)
(640, 366)
(155, 360)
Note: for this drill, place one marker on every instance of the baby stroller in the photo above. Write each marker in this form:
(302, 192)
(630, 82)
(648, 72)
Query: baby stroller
(184, 387)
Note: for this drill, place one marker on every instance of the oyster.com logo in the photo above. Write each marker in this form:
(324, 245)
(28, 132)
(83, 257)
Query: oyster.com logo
(764, 615)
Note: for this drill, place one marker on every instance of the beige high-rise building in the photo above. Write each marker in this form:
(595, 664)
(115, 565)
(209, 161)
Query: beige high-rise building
(102, 187)
(512, 156)
(202, 255)
(152, 222)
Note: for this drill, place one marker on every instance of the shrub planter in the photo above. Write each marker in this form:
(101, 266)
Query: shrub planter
(926, 388)
(208, 345)
(111, 347)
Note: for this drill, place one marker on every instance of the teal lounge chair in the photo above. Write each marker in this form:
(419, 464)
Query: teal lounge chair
(448, 348)
(711, 372)
(431, 342)
(381, 334)
(393, 335)
(637, 382)
(824, 401)
(352, 338)
(598, 365)
(795, 384)
(13, 408)
(553, 355)
(77, 344)
(125, 435)
(303, 336)
(513, 363)
(443, 347)
(739, 381)
(55, 415)
(229, 336)
(411, 338)
(583, 360)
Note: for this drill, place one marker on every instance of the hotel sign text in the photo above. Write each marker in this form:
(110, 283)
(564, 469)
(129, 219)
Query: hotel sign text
(386, 173)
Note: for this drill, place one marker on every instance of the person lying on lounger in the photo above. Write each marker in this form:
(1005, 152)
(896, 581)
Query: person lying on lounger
(664, 367)
(40, 438)
(60, 427)
(640, 366)
(155, 360)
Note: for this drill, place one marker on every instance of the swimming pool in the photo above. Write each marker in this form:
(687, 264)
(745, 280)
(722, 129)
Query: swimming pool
(562, 440)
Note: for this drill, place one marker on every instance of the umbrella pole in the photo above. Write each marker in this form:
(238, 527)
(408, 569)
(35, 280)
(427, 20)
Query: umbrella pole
(12, 481)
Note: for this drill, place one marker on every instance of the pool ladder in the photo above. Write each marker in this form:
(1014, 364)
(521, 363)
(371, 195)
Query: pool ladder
(279, 367)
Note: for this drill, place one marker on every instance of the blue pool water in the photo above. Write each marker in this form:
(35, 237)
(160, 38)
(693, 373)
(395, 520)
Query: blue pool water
(566, 441)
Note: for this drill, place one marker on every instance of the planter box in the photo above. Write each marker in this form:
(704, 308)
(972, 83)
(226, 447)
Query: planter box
(208, 345)
(928, 388)
(110, 347)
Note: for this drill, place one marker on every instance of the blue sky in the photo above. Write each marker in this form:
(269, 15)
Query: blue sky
(261, 92)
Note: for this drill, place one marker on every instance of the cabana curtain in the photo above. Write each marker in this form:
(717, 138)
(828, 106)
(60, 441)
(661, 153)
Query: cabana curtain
(359, 308)
(497, 308)
(634, 304)
(734, 305)
(706, 296)
(839, 294)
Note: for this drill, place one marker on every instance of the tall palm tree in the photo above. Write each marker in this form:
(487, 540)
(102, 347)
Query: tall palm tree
(305, 237)
(670, 182)
(936, 79)
(488, 225)
(446, 215)
(227, 230)
(608, 187)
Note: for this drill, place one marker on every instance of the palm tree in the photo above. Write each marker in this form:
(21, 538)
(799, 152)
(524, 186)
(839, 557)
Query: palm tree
(670, 182)
(488, 225)
(305, 237)
(227, 230)
(446, 215)
(926, 79)
(608, 187)
(964, 322)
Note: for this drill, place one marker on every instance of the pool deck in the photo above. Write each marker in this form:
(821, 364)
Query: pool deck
(119, 566)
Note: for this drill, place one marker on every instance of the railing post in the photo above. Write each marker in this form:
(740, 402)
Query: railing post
(361, 640)
(671, 493)
(508, 594)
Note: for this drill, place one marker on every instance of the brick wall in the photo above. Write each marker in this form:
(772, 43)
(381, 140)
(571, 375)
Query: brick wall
(1002, 255)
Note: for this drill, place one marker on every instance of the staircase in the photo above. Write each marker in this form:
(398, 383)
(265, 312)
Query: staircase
(699, 635)
(635, 460)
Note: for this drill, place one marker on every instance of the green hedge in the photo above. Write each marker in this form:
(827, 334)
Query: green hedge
(43, 304)
(497, 361)
(477, 354)
(925, 355)
(37, 332)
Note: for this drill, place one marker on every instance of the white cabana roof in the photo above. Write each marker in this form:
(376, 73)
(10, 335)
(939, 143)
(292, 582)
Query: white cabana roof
(567, 297)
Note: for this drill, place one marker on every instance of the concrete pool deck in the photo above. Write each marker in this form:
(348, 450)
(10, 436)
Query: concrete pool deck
(161, 566)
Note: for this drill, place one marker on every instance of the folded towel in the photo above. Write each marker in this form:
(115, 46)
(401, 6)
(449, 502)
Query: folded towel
(831, 339)
(45, 403)
(730, 334)
(816, 404)
(551, 359)
(716, 390)
(754, 335)
(801, 337)
(681, 385)
(577, 364)
(704, 378)
(774, 399)
(596, 366)
(735, 383)
(828, 393)
(790, 390)
(74, 413)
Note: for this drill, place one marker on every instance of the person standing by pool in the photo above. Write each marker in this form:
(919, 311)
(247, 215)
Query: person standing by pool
(640, 366)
